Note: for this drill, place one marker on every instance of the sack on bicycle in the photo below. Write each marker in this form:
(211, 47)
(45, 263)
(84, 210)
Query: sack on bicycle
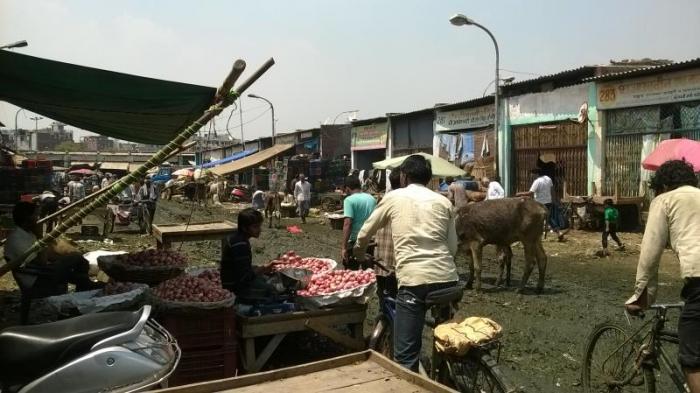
(457, 338)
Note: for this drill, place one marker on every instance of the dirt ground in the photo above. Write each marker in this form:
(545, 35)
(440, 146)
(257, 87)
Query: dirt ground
(543, 336)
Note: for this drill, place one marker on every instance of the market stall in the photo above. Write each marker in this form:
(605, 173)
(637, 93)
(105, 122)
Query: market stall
(166, 234)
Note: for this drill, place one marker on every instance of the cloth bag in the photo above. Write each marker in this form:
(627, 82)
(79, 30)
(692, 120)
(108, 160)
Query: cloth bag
(456, 338)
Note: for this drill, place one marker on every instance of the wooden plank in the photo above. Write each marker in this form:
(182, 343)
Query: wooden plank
(364, 371)
(266, 352)
(351, 308)
(298, 324)
(201, 228)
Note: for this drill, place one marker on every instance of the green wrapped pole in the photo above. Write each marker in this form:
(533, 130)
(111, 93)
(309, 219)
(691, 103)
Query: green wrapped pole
(225, 96)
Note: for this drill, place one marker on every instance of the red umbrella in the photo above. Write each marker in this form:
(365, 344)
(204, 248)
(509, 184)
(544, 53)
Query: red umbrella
(674, 149)
(86, 172)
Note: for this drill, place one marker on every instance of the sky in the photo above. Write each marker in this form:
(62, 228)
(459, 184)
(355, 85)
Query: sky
(375, 56)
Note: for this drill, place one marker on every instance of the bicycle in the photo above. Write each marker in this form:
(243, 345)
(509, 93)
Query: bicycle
(477, 371)
(628, 361)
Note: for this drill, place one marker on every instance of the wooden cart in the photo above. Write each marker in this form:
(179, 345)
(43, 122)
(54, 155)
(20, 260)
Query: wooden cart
(278, 326)
(363, 372)
(166, 234)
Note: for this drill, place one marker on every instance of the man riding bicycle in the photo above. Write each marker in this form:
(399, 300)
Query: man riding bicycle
(422, 223)
(674, 216)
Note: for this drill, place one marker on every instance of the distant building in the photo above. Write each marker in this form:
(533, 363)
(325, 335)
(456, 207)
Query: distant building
(98, 143)
(42, 139)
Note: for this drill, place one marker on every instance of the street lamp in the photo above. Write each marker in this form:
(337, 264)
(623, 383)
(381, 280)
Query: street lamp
(18, 44)
(505, 81)
(273, 114)
(17, 129)
(461, 20)
(341, 113)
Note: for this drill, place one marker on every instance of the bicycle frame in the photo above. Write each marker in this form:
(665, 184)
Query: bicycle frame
(650, 336)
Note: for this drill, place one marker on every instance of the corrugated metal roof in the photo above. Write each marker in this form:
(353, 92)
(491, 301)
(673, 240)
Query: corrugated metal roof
(412, 113)
(573, 74)
(473, 103)
(678, 66)
(364, 122)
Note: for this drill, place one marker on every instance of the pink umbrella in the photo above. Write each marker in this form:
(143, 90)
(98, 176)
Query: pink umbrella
(674, 149)
(86, 172)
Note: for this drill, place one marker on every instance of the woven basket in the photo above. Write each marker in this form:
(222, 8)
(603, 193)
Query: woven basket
(151, 275)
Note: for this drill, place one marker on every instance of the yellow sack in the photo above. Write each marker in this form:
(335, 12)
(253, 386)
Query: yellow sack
(457, 338)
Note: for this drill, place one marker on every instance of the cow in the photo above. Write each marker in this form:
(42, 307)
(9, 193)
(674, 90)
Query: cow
(502, 222)
(273, 206)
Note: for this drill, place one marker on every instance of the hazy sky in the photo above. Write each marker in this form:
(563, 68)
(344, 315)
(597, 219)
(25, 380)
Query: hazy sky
(374, 56)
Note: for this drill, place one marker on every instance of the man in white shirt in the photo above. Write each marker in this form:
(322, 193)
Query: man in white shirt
(541, 191)
(76, 189)
(673, 218)
(302, 193)
(494, 188)
(148, 193)
(422, 225)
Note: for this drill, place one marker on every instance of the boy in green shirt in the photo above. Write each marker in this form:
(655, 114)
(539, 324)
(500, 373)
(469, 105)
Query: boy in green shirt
(611, 216)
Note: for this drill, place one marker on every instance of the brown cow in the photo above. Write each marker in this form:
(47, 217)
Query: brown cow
(503, 222)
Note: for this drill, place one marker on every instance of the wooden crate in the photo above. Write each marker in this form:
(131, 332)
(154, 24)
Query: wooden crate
(365, 371)
(166, 234)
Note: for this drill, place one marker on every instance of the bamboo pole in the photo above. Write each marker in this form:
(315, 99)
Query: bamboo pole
(225, 96)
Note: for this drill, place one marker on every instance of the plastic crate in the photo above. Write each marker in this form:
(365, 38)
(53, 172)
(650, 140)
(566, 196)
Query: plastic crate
(205, 365)
(211, 329)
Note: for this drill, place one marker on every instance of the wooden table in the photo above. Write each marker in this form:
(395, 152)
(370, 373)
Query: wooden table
(363, 372)
(322, 321)
(166, 234)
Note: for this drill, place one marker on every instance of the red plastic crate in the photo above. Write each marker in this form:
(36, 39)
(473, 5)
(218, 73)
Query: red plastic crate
(202, 330)
(205, 365)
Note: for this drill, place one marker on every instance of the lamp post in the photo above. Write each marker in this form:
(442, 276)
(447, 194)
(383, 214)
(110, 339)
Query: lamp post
(273, 114)
(18, 44)
(17, 129)
(461, 20)
(344, 112)
(505, 81)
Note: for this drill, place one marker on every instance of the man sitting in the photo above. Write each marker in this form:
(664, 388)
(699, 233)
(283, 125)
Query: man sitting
(237, 272)
(53, 271)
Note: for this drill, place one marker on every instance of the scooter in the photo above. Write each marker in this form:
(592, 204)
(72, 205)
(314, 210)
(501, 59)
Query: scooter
(115, 352)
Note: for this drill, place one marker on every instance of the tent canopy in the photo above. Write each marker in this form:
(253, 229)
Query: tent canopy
(440, 166)
(233, 157)
(122, 106)
(250, 161)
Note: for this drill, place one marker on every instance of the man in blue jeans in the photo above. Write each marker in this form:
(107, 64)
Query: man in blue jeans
(422, 225)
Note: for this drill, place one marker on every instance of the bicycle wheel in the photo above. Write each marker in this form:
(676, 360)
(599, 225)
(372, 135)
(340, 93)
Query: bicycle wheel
(609, 363)
(477, 372)
(384, 342)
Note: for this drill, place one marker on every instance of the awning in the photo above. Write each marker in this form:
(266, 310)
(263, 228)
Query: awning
(114, 166)
(250, 161)
(128, 107)
(439, 166)
(234, 157)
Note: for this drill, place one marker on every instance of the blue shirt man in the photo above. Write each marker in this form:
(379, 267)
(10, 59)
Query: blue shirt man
(357, 207)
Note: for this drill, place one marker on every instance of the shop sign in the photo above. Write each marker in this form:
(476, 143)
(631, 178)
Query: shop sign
(676, 87)
(463, 119)
(370, 136)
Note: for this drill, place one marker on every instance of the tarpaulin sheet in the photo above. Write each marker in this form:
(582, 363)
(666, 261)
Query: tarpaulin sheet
(122, 106)
(250, 161)
(234, 157)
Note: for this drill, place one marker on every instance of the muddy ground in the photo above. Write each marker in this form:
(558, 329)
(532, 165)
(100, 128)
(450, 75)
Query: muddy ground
(543, 336)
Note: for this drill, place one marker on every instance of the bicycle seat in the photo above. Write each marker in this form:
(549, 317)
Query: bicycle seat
(32, 351)
(444, 296)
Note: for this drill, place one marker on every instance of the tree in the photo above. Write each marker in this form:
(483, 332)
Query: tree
(69, 146)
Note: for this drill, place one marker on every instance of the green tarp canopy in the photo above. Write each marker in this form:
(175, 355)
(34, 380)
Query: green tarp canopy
(121, 106)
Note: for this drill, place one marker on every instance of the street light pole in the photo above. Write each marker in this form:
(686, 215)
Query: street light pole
(17, 129)
(272, 108)
(461, 20)
(18, 44)
(336, 118)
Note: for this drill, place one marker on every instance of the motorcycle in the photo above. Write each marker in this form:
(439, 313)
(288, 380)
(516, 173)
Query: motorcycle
(113, 352)
(240, 194)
